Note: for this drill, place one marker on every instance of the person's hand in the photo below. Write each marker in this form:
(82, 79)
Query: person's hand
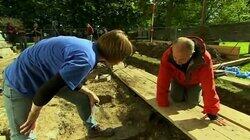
(215, 119)
(29, 125)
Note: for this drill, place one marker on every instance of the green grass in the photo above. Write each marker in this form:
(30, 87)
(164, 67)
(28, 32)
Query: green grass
(1, 38)
(245, 67)
(30, 43)
(244, 46)
(148, 59)
(243, 92)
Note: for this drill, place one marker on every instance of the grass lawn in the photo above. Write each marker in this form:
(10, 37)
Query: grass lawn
(148, 59)
(244, 46)
(30, 43)
(245, 67)
(1, 38)
(235, 89)
(242, 92)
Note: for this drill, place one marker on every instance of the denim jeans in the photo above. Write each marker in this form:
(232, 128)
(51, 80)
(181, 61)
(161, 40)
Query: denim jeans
(18, 106)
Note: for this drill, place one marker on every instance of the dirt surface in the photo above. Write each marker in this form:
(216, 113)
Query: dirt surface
(233, 96)
(144, 62)
(120, 109)
(154, 49)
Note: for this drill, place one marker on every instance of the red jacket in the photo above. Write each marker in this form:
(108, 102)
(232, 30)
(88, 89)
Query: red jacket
(10, 29)
(90, 30)
(201, 72)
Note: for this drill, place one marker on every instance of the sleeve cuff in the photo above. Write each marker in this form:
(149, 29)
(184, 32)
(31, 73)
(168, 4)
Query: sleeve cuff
(163, 104)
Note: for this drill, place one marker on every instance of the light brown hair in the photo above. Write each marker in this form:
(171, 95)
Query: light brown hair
(114, 46)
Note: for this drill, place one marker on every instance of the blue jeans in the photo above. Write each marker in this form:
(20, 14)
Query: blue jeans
(18, 106)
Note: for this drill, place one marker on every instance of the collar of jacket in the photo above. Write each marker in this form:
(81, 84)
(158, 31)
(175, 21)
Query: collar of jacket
(196, 61)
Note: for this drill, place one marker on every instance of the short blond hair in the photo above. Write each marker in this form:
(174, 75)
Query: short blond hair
(188, 43)
(114, 46)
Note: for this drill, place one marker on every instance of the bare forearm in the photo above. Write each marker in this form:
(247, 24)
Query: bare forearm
(94, 100)
(36, 108)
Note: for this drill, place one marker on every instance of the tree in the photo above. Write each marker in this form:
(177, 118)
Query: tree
(178, 13)
(184, 13)
(228, 11)
(124, 14)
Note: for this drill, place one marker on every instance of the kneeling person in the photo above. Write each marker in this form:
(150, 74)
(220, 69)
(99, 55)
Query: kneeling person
(188, 68)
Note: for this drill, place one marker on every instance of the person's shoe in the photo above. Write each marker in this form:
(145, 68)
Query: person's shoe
(97, 131)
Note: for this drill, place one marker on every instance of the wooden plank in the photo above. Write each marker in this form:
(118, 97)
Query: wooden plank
(5, 52)
(239, 118)
(227, 51)
(143, 90)
(2, 138)
(233, 63)
(7, 59)
(241, 82)
(4, 62)
(174, 114)
(187, 120)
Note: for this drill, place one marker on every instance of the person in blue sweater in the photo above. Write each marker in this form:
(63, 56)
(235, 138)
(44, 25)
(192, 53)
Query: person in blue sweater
(56, 67)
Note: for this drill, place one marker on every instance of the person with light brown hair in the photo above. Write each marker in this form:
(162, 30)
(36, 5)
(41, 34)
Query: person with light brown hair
(56, 67)
(107, 46)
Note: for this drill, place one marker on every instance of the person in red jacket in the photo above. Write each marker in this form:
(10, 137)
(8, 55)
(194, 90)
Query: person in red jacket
(89, 32)
(11, 33)
(187, 68)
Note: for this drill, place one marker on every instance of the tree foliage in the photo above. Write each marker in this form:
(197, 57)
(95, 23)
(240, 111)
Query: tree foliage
(188, 12)
(228, 11)
(123, 14)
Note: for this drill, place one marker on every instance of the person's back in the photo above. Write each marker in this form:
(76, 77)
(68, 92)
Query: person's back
(45, 59)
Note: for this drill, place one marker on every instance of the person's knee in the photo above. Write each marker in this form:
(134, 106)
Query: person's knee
(176, 98)
(177, 92)
(193, 103)
(194, 96)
